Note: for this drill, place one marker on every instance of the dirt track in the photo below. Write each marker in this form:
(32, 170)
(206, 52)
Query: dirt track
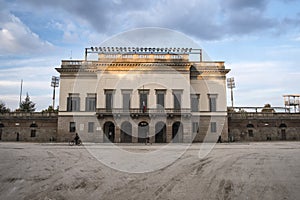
(229, 171)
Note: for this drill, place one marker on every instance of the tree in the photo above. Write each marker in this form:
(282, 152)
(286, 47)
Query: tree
(3, 108)
(50, 109)
(268, 108)
(27, 105)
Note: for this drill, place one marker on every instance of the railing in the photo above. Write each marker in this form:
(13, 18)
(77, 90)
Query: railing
(258, 109)
(29, 114)
(262, 115)
(142, 111)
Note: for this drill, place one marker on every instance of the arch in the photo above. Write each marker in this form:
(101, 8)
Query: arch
(194, 72)
(177, 132)
(126, 132)
(250, 125)
(282, 125)
(143, 131)
(109, 132)
(160, 132)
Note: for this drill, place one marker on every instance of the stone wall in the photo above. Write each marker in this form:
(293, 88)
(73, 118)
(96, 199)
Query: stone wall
(263, 126)
(28, 127)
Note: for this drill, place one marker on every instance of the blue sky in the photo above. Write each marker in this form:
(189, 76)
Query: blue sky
(259, 40)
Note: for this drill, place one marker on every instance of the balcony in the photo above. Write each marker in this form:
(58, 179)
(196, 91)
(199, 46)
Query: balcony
(136, 112)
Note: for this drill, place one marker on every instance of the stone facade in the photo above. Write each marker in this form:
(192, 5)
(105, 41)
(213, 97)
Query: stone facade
(263, 126)
(169, 98)
(28, 127)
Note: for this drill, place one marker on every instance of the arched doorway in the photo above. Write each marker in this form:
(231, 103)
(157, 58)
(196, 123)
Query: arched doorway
(177, 132)
(126, 132)
(109, 132)
(143, 131)
(160, 132)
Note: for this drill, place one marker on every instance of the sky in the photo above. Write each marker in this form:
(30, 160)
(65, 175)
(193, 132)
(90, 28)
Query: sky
(259, 40)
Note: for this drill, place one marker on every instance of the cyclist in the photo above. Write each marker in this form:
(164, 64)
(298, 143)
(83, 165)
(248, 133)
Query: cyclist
(76, 139)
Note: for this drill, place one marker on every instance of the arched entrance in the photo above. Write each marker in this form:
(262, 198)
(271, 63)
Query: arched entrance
(109, 132)
(143, 131)
(177, 132)
(126, 132)
(160, 132)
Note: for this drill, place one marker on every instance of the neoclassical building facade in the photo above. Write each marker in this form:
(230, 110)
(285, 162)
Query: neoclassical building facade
(126, 95)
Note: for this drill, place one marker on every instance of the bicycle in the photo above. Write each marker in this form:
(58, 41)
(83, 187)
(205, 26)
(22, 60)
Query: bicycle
(72, 142)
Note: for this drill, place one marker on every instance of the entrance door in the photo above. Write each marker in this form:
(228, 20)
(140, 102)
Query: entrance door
(160, 132)
(109, 132)
(126, 132)
(177, 132)
(283, 134)
(143, 131)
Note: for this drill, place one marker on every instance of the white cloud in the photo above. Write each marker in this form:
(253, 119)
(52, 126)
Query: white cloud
(16, 37)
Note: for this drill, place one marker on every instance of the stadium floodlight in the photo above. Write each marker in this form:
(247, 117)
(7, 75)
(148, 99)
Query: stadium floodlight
(121, 49)
(96, 48)
(125, 49)
(191, 50)
(129, 49)
(54, 84)
(100, 48)
(92, 48)
(112, 49)
(231, 85)
(137, 49)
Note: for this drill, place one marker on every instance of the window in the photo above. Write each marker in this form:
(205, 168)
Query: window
(108, 100)
(250, 133)
(160, 99)
(194, 103)
(90, 103)
(213, 127)
(73, 102)
(126, 99)
(177, 100)
(212, 102)
(91, 127)
(72, 127)
(195, 127)
(33, 133)
(144, 100)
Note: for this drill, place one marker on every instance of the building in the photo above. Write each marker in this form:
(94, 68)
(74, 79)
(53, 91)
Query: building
(28, 127)
(129, 94)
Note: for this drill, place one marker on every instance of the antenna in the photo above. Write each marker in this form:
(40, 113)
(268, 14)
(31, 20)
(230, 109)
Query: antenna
(21, 93)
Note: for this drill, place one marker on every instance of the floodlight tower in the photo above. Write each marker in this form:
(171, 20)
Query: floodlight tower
(231, 85)
(54, 84)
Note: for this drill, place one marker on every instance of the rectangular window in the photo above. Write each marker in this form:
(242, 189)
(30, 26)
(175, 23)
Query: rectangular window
(90, 127)
(160, 99)
(33, 133)
(194, 103)
(250, 133)
(109, 100)
(213, 127)
(126, 101)
(177, 100)
(90, 103)
(72, 127)
(195, 126)
(212, 103)
(73, 102)
(144, 100)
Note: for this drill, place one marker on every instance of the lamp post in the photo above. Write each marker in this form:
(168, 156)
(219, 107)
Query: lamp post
(231, 85)
(54, 84)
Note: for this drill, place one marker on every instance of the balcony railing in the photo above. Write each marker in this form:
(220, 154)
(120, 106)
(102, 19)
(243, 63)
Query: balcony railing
(138, 111)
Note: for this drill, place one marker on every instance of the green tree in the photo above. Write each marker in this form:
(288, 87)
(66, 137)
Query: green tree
(3, 108)
(50, 109)
(268, 108)
(27, 105)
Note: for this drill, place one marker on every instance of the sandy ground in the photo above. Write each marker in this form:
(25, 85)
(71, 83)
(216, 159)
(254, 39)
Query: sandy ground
(229, 171)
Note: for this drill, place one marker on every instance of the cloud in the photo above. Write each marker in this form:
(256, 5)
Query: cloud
(16, 37)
